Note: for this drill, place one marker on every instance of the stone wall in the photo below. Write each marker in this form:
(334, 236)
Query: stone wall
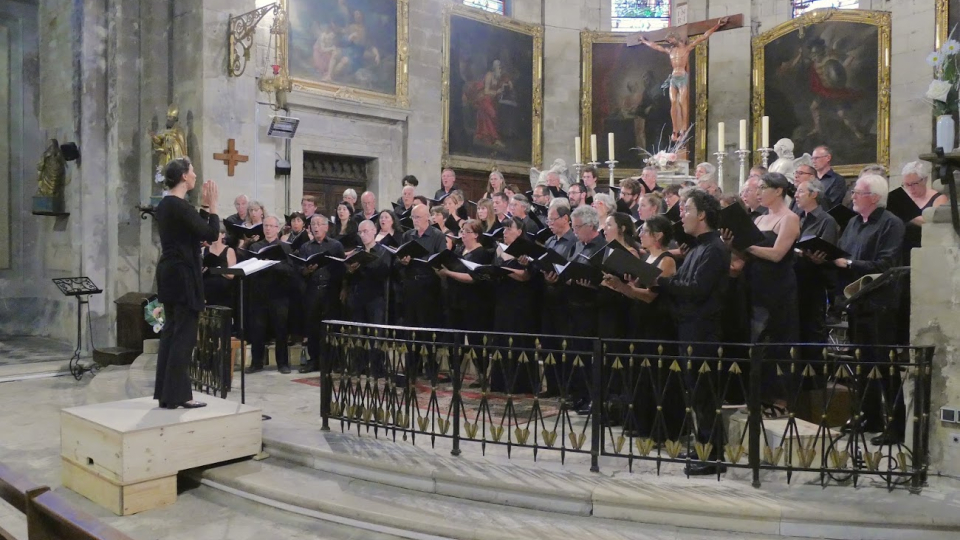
(935, 299)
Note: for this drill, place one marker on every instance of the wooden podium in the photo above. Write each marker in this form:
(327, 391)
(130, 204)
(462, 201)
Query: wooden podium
(125, 455)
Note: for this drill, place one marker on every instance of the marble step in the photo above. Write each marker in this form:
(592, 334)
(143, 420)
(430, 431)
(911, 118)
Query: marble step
(414, 514)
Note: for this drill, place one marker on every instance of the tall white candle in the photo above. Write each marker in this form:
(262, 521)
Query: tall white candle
(576, 149)
(743, 135)
(765, 131)
(610, 145)
(593, 148)
(720, 137)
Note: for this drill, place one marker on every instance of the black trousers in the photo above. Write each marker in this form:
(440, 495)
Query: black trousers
(273, 315)
(369, 310)
(319, 303)
(422, 309)
(177, 340)
(703, 397)
(882, 397)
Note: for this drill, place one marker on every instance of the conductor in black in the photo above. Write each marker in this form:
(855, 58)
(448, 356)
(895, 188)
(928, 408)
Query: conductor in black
(179, 279)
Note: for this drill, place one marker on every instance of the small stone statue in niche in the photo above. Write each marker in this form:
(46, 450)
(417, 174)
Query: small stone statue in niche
(170, 143)
(786, 164)
(51, 181)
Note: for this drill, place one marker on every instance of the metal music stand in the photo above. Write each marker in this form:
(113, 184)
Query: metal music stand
(81, 288)
(239, 274)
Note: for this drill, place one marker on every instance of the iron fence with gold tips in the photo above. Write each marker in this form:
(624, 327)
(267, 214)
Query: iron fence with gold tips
(831, 413)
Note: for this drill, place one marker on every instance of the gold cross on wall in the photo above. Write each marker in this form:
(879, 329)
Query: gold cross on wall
(231, 157)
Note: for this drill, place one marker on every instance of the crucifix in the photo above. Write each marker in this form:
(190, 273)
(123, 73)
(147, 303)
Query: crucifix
(230, 157)
(678, 49)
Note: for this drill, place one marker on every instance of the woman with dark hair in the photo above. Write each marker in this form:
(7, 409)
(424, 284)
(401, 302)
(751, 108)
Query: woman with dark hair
(514, 310)
(298, 226)
(216, 288)
(179, 279)
(389, 226)
(651, 321)
(346, 232)
(619, 226)
(772, 283)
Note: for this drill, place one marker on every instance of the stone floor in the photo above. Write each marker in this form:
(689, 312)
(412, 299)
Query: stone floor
(29, 442)
(29, 349)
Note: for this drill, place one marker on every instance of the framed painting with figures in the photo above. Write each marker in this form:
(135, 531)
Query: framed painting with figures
(492, 94)
(351, 49)
(623, 91)
(824, 78)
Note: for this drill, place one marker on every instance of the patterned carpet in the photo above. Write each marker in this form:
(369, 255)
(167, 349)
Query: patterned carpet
(497, 403)
(29, 349)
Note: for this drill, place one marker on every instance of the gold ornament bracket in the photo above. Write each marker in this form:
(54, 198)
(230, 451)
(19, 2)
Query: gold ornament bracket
(242, 29)
(880, 19)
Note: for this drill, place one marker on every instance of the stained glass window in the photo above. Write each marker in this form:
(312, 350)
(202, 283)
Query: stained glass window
(802, 6)
(495, 6)
(639, 15)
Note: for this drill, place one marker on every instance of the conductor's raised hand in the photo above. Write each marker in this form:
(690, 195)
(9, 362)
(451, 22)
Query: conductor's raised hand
(210, 196)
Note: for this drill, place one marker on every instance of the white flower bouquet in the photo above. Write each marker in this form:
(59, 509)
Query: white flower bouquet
(153, 314)
(942, 91)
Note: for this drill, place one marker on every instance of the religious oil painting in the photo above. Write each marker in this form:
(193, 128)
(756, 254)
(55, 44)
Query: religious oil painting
(492, 93)
(626, 91)
(353, 49)
(824, 78)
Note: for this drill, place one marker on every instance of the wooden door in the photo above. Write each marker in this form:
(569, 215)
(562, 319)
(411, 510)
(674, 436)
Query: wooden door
(327, 176)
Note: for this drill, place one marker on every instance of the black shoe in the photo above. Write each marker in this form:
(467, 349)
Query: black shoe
(306, 368)
(253, 369)
(885, 439)
(549, 394)
(574, 404)
(587, 408)
(704, 469)
(193, 404)
(284, 369)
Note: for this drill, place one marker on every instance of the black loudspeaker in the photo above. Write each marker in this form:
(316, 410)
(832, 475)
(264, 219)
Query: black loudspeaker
(70, 151)
(282, 167)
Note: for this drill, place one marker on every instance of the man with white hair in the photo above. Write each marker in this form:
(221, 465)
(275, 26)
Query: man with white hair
(240, 203)
(555, 184)
(874, 240)
(269, 302)
(708, 183)
(368, 208)
(704, 168)
(750, 193)
(322, 292)
(648, 180)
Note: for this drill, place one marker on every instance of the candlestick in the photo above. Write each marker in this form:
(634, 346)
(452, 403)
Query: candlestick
(593, 148)
(576, 148)
(720, 137)
(611, 164)
(578, 167)
(610, 146)
(742, 155)
(720, 155)
(743, 135)
(765, 154)
(765, 131)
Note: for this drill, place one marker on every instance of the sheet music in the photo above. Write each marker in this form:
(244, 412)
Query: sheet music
(252, 266)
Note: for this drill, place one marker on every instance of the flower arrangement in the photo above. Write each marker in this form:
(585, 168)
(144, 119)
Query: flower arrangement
(153, 314)
(946, 78)
(666, 160)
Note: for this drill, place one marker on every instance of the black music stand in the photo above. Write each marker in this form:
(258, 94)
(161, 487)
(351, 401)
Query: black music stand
(238, 274)
(81, 288)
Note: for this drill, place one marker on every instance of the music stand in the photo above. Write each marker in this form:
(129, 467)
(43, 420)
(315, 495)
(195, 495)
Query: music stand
(78, 287)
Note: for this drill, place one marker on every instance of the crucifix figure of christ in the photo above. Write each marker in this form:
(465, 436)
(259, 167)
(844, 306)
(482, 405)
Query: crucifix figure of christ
(678, 49)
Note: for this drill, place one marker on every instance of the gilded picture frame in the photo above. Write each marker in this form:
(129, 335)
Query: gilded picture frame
(947, 16)
(816, 37)
(484, 59)
(590, 105)
(371, 87)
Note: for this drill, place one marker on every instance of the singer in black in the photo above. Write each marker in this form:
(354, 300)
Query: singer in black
(179, 279)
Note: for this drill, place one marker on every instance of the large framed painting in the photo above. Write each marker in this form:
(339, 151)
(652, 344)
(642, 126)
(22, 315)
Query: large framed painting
(824, 78)
(492, 93)
(350, 49)
(622, 91)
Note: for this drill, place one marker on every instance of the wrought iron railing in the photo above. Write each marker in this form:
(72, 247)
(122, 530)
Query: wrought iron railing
(210, 366)
(774, 408)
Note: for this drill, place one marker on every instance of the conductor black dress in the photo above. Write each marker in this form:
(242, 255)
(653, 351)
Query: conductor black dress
(180, 290)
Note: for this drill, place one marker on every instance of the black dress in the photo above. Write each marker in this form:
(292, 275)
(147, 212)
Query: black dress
(514, 312)
(217, 289)
(180, 290)
(470, 305)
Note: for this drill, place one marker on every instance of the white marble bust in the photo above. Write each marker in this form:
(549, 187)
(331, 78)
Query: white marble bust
(786, 164)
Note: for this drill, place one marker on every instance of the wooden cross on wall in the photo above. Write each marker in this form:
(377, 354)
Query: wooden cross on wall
(685, 30)
(230, 157)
